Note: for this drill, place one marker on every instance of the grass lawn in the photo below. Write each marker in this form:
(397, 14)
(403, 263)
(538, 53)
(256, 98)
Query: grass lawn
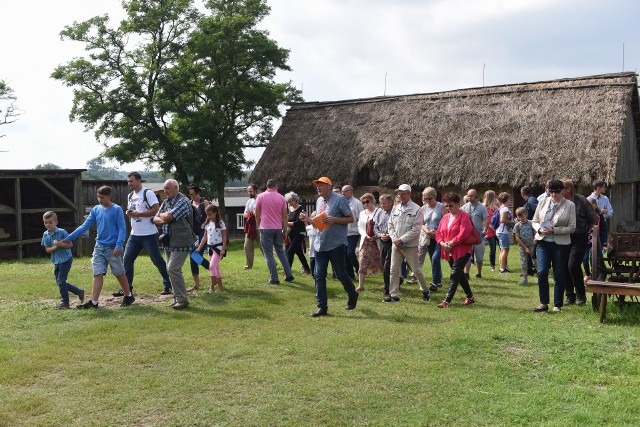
(252, 355)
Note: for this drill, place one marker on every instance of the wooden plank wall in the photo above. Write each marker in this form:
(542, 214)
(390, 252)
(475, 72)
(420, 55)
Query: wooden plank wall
(28, 194)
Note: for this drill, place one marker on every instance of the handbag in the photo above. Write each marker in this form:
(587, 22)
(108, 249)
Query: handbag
(424, 239)
(474, 237)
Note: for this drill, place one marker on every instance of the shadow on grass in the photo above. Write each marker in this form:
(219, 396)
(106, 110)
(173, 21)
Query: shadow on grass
(629, 315)
(373, 314)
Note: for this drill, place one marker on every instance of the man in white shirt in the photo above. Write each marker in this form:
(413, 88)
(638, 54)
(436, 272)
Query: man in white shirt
(353, 235)
(252, 236)
(142, 206)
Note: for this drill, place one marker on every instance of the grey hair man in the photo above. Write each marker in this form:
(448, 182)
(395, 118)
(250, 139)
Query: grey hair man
(404, 225)
(175, 215)
(480, 220)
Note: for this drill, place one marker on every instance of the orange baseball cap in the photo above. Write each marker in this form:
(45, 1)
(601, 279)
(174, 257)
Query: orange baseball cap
(322, 180)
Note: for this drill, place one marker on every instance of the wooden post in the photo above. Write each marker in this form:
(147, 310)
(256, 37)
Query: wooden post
(79, 208)
(18, 217)
(595, 252)
(603, 307)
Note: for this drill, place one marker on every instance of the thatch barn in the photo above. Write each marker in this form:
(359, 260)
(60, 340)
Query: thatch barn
(500, 137)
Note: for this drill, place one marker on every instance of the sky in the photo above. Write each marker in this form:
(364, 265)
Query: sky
(339, 49)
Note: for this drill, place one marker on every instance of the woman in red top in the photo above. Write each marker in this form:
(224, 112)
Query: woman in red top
(454, 229)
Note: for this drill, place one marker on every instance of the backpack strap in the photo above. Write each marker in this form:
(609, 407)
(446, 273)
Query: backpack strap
(145, 199)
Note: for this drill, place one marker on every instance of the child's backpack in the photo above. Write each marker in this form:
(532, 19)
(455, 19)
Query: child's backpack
(495, 219)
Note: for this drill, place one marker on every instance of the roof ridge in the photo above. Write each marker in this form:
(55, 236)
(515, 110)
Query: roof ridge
(509, 88)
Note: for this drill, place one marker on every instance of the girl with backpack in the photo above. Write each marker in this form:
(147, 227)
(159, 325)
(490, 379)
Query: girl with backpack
(216, 240)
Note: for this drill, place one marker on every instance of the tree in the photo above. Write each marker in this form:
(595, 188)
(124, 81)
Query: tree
(97, 169)
(47, 166)
(8, 109)
(179, 88)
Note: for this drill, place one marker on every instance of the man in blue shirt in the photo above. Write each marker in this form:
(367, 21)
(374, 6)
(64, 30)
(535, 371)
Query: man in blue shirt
(333, 214)
(112, 231)
(606, 210)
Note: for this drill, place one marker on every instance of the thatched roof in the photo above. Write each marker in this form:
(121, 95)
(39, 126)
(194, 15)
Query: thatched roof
(520, 134)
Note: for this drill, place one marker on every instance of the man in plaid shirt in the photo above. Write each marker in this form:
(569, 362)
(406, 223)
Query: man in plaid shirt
(175, 207)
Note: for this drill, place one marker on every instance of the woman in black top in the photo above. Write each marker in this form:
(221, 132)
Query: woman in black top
(200, 203)
(297, 232)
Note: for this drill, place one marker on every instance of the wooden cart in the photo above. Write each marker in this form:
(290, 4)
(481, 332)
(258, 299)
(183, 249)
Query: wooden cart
(621, 266)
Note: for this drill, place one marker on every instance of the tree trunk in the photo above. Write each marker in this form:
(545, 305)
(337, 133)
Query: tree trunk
(221, 206)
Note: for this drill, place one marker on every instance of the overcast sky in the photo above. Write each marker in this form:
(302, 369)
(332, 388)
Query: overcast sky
(340, 49)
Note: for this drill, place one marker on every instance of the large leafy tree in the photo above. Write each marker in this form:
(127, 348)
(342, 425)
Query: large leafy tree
(230, 66)
(118, 86)
(183, 89)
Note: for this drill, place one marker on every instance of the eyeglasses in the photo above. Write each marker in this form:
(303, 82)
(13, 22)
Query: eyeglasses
(554, 191)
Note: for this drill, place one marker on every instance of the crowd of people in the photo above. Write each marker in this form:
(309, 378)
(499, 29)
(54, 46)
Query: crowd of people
(357, 236)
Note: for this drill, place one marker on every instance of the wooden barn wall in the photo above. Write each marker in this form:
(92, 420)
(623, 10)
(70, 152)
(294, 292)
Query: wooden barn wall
(119, 196)
(628, 167)
(624, 199)
(624, 194)
(35, 198)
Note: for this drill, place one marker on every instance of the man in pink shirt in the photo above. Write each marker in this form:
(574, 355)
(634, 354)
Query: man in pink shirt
(271, 218)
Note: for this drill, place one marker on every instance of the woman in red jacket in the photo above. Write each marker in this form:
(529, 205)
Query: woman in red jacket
(454, 229)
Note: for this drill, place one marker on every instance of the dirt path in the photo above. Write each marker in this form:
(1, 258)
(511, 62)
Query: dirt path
(107, 301)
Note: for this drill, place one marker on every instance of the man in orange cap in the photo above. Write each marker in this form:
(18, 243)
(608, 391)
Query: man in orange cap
(333, 216)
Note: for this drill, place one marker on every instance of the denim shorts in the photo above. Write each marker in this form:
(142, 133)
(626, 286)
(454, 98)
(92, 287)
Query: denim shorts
(503, 240)
(103, 258)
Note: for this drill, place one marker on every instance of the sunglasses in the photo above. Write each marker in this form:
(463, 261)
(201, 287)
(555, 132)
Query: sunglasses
(366, 202)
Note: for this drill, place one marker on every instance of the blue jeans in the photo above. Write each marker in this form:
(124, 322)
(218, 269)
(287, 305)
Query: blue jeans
(149, 243)
(434, 255)
(353, 265)
(336, 257)
(61, 272)
(270, 239)
(549, 253)
(195, 268)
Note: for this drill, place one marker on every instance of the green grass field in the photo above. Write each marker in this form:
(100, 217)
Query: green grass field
(252, 355)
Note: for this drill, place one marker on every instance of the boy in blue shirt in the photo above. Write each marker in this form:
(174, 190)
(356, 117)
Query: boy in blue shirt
(108, 250)
(61, 258)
